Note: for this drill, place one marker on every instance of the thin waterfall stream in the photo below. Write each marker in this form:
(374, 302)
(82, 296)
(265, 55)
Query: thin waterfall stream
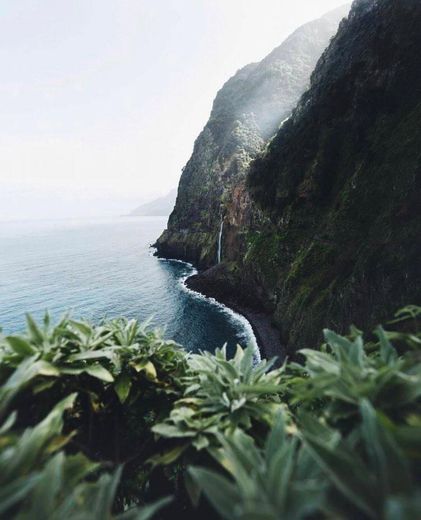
(220, 242)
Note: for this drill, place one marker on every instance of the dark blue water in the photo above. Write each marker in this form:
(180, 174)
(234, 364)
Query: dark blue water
(105, 268)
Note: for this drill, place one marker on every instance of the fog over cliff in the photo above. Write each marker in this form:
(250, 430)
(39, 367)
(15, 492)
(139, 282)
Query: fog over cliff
(101, 101)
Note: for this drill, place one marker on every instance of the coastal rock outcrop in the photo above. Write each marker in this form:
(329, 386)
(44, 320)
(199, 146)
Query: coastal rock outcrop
(246, 113)
(341, 182)
(322, 229)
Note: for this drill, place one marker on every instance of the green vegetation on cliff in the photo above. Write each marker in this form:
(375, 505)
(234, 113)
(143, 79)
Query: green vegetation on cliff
(326, 229)
(341, 181)
(97, 420)
(246, 113)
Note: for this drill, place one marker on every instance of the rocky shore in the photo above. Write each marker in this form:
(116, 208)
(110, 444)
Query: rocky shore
(217, 283)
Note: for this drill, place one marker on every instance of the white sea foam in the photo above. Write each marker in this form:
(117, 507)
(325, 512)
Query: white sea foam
(249, 335)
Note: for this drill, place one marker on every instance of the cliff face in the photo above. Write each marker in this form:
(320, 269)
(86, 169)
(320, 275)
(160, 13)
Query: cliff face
(341, 182)
(246, 113)
(332, 234)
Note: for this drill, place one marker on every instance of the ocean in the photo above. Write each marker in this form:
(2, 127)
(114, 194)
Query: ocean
(104, 268)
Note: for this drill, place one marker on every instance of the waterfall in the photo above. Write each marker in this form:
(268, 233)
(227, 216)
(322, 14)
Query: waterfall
(220, 242)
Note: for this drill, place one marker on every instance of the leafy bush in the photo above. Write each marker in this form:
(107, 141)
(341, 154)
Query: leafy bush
(353, 443)
(278, 480)
(221, 395)
(120, 352)
(122, 375)
(338, 436)
(345, 371)
(387, 488)
(115, 368)
(38, 480)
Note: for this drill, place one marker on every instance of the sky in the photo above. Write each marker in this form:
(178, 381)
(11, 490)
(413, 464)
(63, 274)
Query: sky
(101, 100)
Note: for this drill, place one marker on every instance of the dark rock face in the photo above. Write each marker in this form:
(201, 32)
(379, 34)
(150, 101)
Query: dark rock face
(221, 282)
(341, 182)
(325, 230)
(246, 113)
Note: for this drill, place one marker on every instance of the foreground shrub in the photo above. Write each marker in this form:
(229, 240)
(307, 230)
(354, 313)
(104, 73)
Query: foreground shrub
(221, 395)
(277, 480)
(338, 436)
(121, 373)
(346, 371)
(38, 480)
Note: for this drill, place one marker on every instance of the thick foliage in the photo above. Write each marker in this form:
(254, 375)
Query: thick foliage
(221, 395)
(278, 480)
(38, 480)
(352, 444)
(119, 352)
(336, 437)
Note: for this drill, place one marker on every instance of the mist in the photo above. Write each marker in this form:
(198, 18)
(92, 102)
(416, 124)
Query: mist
(101, 101)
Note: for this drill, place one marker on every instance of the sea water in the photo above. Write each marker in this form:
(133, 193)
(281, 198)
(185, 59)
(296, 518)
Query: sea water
(104, 268)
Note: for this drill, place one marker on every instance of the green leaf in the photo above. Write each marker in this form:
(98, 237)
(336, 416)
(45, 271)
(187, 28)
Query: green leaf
(43, 385)
(146, 512)
(21, 346)
(171, 431)
(84, 328)
(385, 457)
(346, 472)
(168, 457)
(276, 437)
(387, 351)
(27, 370)
(44, 494)
(193, 489)
(99, 372)
(122, 387)
(8, 423)
(47, 369)
(321, 361)
(35, 333)
(200, 442)
(91, 354)
(221, 493)
(16, 491)
(148, 367)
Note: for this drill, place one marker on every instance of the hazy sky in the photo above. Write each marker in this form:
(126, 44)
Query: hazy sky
(101, 100)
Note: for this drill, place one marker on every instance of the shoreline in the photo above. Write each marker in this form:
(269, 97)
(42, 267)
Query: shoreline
(267, 335)
(234, 313)
(268, 340)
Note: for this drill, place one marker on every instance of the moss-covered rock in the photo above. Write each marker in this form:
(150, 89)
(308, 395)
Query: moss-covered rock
(341, 181)
(326, 230)
(246, 113)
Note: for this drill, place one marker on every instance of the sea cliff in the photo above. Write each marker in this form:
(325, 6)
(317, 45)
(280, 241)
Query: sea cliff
(246, 113)
(320, 226)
